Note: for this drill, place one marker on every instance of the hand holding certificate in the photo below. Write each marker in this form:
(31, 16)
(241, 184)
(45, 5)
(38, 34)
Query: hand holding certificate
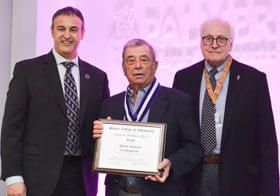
(130, 148)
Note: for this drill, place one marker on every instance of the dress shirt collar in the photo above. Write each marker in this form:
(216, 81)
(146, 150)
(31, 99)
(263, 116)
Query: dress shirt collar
(60, 59)
(130, 91)
(219, 68)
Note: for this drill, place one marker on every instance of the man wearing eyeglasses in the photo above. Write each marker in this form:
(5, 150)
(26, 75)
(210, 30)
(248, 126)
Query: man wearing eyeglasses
(233, 111)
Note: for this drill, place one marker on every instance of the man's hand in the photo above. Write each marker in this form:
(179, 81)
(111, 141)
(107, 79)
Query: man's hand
(98, 128)
(164, 167)
(17, 189)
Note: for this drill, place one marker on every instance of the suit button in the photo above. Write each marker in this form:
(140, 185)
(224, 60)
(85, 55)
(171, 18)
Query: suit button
(116, 180)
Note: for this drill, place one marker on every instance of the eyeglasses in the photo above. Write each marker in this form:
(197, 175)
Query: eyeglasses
(221, 41)
(144, 60)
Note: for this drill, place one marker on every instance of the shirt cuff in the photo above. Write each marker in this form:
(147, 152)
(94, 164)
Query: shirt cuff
(13, 180)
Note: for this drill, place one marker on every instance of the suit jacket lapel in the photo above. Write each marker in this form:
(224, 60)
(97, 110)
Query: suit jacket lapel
(115, 109)
(51, 70)
(84, 89)
(233, 93)
(118, 111)
(196, 78)
(158, 107)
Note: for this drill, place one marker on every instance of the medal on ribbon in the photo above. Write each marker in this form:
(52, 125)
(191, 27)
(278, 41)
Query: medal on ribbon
(145, 104)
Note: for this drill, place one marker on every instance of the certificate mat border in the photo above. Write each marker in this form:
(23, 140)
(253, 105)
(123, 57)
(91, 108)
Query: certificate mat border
(97, 168)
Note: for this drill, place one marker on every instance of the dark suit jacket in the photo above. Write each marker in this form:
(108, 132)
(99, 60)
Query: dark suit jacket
(182, 139)
(35, 124)
(249, 158)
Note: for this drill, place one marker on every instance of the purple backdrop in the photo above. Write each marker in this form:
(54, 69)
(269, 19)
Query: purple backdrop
(172, 27)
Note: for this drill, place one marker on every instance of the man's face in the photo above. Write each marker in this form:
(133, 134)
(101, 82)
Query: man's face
(139, 67)
(67, 33)
(216, 53)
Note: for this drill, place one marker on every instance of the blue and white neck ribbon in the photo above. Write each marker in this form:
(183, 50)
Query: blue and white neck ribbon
(145, 104)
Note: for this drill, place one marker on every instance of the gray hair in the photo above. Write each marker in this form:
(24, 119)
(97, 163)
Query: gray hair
(138, 42)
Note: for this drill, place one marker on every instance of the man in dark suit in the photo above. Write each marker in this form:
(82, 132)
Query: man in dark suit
(241, 156)
(44, 149)
(166, 105)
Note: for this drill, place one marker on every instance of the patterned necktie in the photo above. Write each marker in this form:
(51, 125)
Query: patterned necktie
(208, 129)
(72, 108)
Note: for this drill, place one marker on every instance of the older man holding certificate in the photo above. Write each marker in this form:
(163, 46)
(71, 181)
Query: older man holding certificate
(145, 100)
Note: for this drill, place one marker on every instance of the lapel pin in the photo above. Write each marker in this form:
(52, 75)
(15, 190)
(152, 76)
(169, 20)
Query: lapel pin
(238, 77)
(87, 76)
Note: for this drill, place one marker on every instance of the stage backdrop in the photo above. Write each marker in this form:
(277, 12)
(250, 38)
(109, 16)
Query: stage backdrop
(172, 28)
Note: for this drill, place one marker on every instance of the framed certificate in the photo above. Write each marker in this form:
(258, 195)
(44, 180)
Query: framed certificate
(130, 148)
